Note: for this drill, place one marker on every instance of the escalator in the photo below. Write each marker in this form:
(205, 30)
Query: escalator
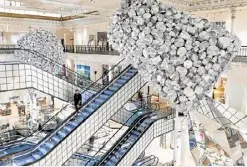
(51, 66)
(96, 111)
(48, 77)
(102, 143)
(147, 161)
(126, 142)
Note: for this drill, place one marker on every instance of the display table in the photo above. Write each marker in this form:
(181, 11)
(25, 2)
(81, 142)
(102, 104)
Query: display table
(21, 109)
(22, 128)
(5, 109)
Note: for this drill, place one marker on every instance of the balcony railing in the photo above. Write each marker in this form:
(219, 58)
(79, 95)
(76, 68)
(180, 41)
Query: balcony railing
(84, 49)
(103, 50)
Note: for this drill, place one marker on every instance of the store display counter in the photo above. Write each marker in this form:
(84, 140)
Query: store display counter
(5, 109)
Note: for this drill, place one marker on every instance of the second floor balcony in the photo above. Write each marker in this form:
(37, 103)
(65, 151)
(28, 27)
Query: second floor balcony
(107, 50)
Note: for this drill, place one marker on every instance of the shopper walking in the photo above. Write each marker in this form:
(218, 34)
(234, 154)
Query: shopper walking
(77, 100)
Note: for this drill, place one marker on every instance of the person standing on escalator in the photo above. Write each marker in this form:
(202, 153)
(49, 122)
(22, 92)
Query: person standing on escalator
(140, 97)
(77, 100)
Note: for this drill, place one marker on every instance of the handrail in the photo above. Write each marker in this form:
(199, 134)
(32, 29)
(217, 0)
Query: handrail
(162, 117)
(71, 116)
(88, 88)
(60, 65)
(69, 72)
(43, 126)
(124, 136)
(144, 104)
(118, 131)
(147, 159)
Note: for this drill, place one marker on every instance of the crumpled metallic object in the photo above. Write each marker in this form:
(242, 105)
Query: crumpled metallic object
(191, 56)
(37, 44)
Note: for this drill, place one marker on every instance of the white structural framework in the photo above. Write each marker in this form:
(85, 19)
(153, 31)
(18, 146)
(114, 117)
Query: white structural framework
(37, 44)
(181, 55)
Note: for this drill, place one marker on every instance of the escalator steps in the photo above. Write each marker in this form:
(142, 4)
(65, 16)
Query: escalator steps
(81, 116)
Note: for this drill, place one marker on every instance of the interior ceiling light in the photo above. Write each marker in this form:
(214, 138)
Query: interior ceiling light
(181, 55)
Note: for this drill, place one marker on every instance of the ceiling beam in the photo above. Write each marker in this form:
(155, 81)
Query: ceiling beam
(29, 16)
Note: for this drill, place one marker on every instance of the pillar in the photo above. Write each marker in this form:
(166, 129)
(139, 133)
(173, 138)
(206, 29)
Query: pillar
(110, 72)
(228, 85)
(233, 16)
(75, 61)
(174, 137)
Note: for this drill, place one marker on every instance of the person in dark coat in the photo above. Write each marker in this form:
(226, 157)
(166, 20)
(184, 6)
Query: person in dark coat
(140, 97)
(77, 100)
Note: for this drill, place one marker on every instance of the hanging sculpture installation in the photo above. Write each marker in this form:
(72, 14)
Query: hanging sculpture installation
(181, 55)
(39, 48)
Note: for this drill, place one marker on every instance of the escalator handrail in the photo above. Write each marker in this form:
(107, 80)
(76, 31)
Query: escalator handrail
(71, 116)
(162, 117)
(131, 111)
(122, 138)
(44, 125)
(47, 58)
(54, 116)
(119, 130)
(147, 159)
(51, 60)
(93, 82)
(142, 117)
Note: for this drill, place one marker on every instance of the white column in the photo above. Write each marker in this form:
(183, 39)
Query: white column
(228, 84)
(75, 61)
(110, 72)
(175, 135)
(65, 41)
(233, 16)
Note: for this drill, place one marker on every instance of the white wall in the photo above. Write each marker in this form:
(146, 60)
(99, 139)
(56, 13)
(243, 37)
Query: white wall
(237, 86)
(7, 57)
(94, 61)
(81, 35)
(9, 35)
(240, 26)
(4, 96)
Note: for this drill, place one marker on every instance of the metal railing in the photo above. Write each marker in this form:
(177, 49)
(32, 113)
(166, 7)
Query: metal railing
(123, 139)
(84, 93)
(84, 49)
(76, 112)
(102, 150)
(51, 66)
(16, 76)
(147, 161)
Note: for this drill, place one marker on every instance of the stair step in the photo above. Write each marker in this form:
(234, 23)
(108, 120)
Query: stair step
(56, 139)
(117, 84)
(61, 133)
(121, 81)
(104, 96)
(108, 92)
(113, 88)
(37, 155)
(100, 101)
(125, 77)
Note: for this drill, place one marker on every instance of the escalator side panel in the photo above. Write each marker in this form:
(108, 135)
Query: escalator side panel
(158, 128)
(40, 80)
(79, 136)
